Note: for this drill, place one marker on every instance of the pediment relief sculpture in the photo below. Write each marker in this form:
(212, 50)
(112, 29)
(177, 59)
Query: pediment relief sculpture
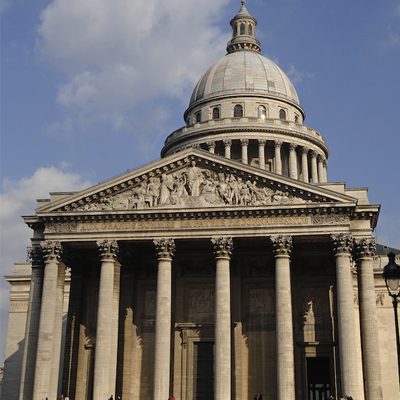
(193, 187)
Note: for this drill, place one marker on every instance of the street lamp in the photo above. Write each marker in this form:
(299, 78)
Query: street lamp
(391, 274)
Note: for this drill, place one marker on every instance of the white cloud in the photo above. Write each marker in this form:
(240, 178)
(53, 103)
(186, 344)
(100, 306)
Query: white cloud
(117, 54)
(298, 76)
(19, 198)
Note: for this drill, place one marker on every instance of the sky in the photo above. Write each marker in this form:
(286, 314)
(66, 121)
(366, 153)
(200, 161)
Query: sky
(91, 89)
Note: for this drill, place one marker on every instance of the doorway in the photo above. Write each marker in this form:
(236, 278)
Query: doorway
(203, 370)
(318, 378)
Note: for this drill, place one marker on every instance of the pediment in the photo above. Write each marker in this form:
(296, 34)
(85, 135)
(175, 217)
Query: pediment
(193, 179)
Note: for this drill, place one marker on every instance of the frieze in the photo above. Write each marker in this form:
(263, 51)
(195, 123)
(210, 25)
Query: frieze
(330, 219)
(190, 187)
(67, 227)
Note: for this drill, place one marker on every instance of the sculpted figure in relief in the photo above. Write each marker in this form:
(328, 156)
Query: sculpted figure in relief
(192, 187)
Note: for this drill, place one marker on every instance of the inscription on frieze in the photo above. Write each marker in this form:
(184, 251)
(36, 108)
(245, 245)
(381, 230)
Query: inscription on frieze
(252, 222)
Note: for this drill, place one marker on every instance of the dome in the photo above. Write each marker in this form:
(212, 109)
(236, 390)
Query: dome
(244, 71)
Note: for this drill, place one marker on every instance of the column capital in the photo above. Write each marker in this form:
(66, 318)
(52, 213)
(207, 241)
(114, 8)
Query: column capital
(227, 142)
(342, 243)
(321, 157)
(365, 247)
(292, 146)
(52, 251)
(165, 248)
(223, 246)
(305, 150)
(282, 245)
(244, 142)
(314, 153)
(108, 249)
(35, 255)
(278, 143)
(262, 142)
(211, 144)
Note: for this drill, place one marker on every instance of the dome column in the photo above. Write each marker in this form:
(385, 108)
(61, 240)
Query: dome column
(244, 143)
(261, 153)
(304, 164)
(292, 161)
(314, 171)
(278, 157)
(228, 144)
(325, 170)
(211, 146)
(320, 168)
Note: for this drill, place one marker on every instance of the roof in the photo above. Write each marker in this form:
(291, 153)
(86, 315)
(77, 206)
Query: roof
(244, 71)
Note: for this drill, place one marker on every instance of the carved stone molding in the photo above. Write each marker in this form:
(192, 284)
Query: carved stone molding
(108, 249)
(52, 251)
(282, 245)
(35, 255)
(165, 248)
(223, 246)
(342, 243)
(365, 247)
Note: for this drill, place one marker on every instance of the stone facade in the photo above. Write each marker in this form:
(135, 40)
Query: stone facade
(228, 268)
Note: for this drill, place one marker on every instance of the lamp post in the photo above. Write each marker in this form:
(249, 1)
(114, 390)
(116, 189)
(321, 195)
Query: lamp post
(391, 274)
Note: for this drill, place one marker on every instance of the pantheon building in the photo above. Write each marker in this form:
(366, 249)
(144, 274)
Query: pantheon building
(229, 268)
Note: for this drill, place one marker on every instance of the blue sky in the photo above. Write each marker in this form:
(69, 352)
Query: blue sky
(91, 88)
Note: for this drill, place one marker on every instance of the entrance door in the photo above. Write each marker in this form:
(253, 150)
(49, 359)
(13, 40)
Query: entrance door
(318, 378)
(203, 371)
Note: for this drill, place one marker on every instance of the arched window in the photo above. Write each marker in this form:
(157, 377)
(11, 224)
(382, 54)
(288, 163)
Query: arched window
(235, 30)
(282, 114)
(242, 28)
(250, 30)
(215, 113)
(238, 111)
(262, 112)
(198, 117)
(296, 118)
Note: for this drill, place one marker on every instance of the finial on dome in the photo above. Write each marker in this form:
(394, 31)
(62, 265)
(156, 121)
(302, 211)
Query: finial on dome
(243, 32)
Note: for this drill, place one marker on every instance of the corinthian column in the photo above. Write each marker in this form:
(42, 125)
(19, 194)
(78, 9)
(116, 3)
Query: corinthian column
(228, 144)
(282, 246)
(304, 164)
(223, 248)
(278, 157)
(245, 144)
(49, 344)
(321, 168)
(261, 152)
(165, 249)
(211, 146)
(32, 323)
(314, 172)
(369, 320)
(292, 161)
(342, 246)
(105, 333)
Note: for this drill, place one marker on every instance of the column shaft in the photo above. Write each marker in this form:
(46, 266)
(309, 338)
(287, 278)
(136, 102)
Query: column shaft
(314, 172)
(292, 161)
(320, 169)
(105, 322)
(278, 157)
(165, 249)
(47, 348)
(304, 165)
(31, 330)
(245, 143)
(227, 144)
(369, 321)
(346, 318)
(284, 321)
(222, 379)
(261, 153)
